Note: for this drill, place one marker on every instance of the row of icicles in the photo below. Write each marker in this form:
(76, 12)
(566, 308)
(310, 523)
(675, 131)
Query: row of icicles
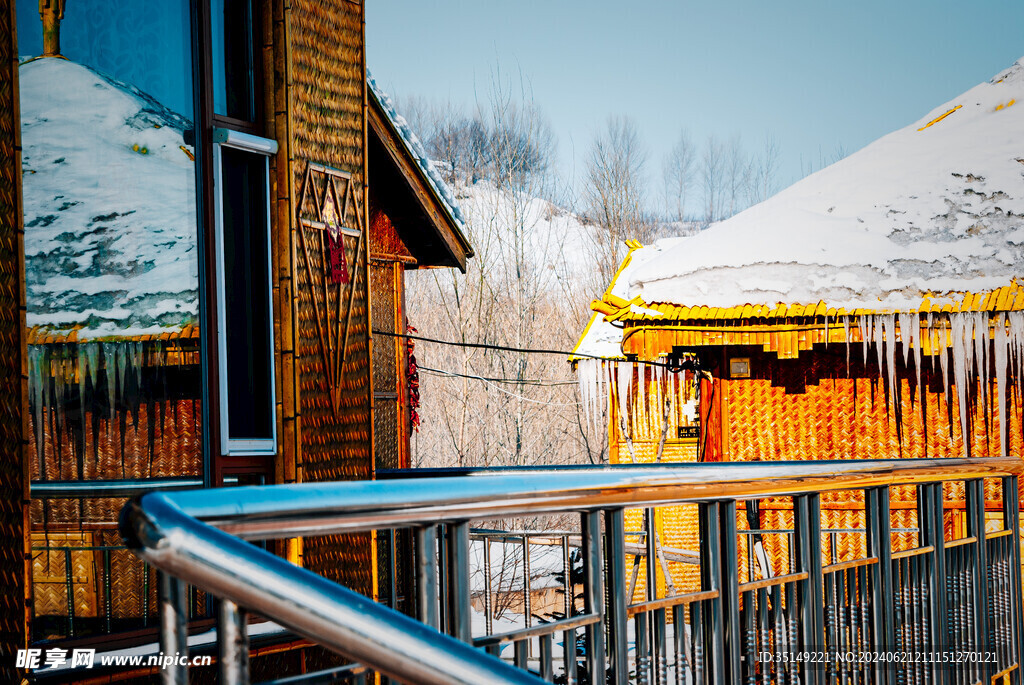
(976, 342)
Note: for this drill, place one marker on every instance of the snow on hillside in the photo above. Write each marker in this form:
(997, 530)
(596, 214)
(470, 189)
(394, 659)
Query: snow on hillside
(110, 221)
(553, 241)
(934, 208)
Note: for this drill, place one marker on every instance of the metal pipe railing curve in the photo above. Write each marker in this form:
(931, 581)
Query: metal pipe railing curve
(310, 605)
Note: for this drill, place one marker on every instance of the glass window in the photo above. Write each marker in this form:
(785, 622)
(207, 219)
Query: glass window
(234, 83)
(245, 317)
(111, 250)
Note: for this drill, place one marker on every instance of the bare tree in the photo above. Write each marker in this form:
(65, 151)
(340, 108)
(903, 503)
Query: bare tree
(500, 406)
(679, 171)
(614, 194)
(712, 177)
(737, 176)
(764, 168)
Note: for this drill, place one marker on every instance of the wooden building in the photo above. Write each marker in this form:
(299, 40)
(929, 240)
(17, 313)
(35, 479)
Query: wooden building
(873, 310)
(204, 218)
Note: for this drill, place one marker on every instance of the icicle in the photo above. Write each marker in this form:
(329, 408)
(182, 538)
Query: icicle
(910, 332)
(82, 362)
(864, 323)
(1016, 346)
(962, 334)
(661, 396)
(109, 360)
(122, 370)
(607, 376)
(890, 355)
(581, 382)
(878, 338)
(943, 352)
(907, 321)
(623, 381)
(846, 337)
(643, 411)
(38, 373)
(1000, 351)
(981, 342)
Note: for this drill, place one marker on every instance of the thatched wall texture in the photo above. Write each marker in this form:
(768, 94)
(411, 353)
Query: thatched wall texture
(13, 371)
(325, 75)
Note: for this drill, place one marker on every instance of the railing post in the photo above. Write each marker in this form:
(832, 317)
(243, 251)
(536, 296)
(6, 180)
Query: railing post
(569, 636)
(173, 628)
(459, 613)
(976, 527)
(729, 589)
(710, 579)
(616, 620)
(593, 593)
(929, 517)
(879, 533)
(426, 576)
(807, 524)
(1011, 519)
(232, 644)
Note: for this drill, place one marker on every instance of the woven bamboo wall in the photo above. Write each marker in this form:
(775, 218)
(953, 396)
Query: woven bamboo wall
(821, 407)
(327, 125)
(13, 370)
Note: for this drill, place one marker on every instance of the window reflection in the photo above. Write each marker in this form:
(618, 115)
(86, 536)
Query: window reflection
(110, 240)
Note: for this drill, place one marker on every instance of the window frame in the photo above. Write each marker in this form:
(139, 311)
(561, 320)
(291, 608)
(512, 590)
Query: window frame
(267, 147)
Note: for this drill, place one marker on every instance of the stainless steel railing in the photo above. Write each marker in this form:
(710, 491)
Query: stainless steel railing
(196, 537)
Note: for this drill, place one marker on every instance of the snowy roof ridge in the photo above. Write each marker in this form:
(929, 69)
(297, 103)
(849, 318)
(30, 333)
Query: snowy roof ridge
(418, 152)
(934, 209)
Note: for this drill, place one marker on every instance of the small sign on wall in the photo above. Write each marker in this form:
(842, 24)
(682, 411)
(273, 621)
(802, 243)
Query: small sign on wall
(692, 432)
(739, 367)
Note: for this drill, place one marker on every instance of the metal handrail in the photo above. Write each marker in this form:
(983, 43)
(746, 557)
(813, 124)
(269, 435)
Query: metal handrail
(197, 536)
(354, 506)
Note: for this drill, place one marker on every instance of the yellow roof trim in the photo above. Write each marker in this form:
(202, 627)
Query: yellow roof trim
(1006, 298)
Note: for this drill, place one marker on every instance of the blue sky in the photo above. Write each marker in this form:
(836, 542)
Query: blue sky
(820, 76)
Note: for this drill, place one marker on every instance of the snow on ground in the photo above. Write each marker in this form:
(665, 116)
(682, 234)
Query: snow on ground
(933, 208)
(546, 563)
(109, 194)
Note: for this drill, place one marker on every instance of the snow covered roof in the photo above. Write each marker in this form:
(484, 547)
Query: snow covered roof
(934, 210)
(416, 150)
(929, 218)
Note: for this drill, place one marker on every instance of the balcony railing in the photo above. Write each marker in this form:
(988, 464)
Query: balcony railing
(914, 607)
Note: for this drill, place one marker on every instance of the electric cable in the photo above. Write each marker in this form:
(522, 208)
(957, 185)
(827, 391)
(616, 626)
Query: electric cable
(525, 350)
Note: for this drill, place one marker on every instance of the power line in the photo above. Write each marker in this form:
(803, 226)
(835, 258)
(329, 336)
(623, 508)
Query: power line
(514, 381)
(503, 348)
(510, 394)
(485, 346)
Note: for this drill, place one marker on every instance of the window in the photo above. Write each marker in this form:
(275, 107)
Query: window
(111, 240)
(245, 330)
(234, 82)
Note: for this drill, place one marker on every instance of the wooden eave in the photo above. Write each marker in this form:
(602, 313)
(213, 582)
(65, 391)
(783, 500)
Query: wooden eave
(650, 330)
(403, 190)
